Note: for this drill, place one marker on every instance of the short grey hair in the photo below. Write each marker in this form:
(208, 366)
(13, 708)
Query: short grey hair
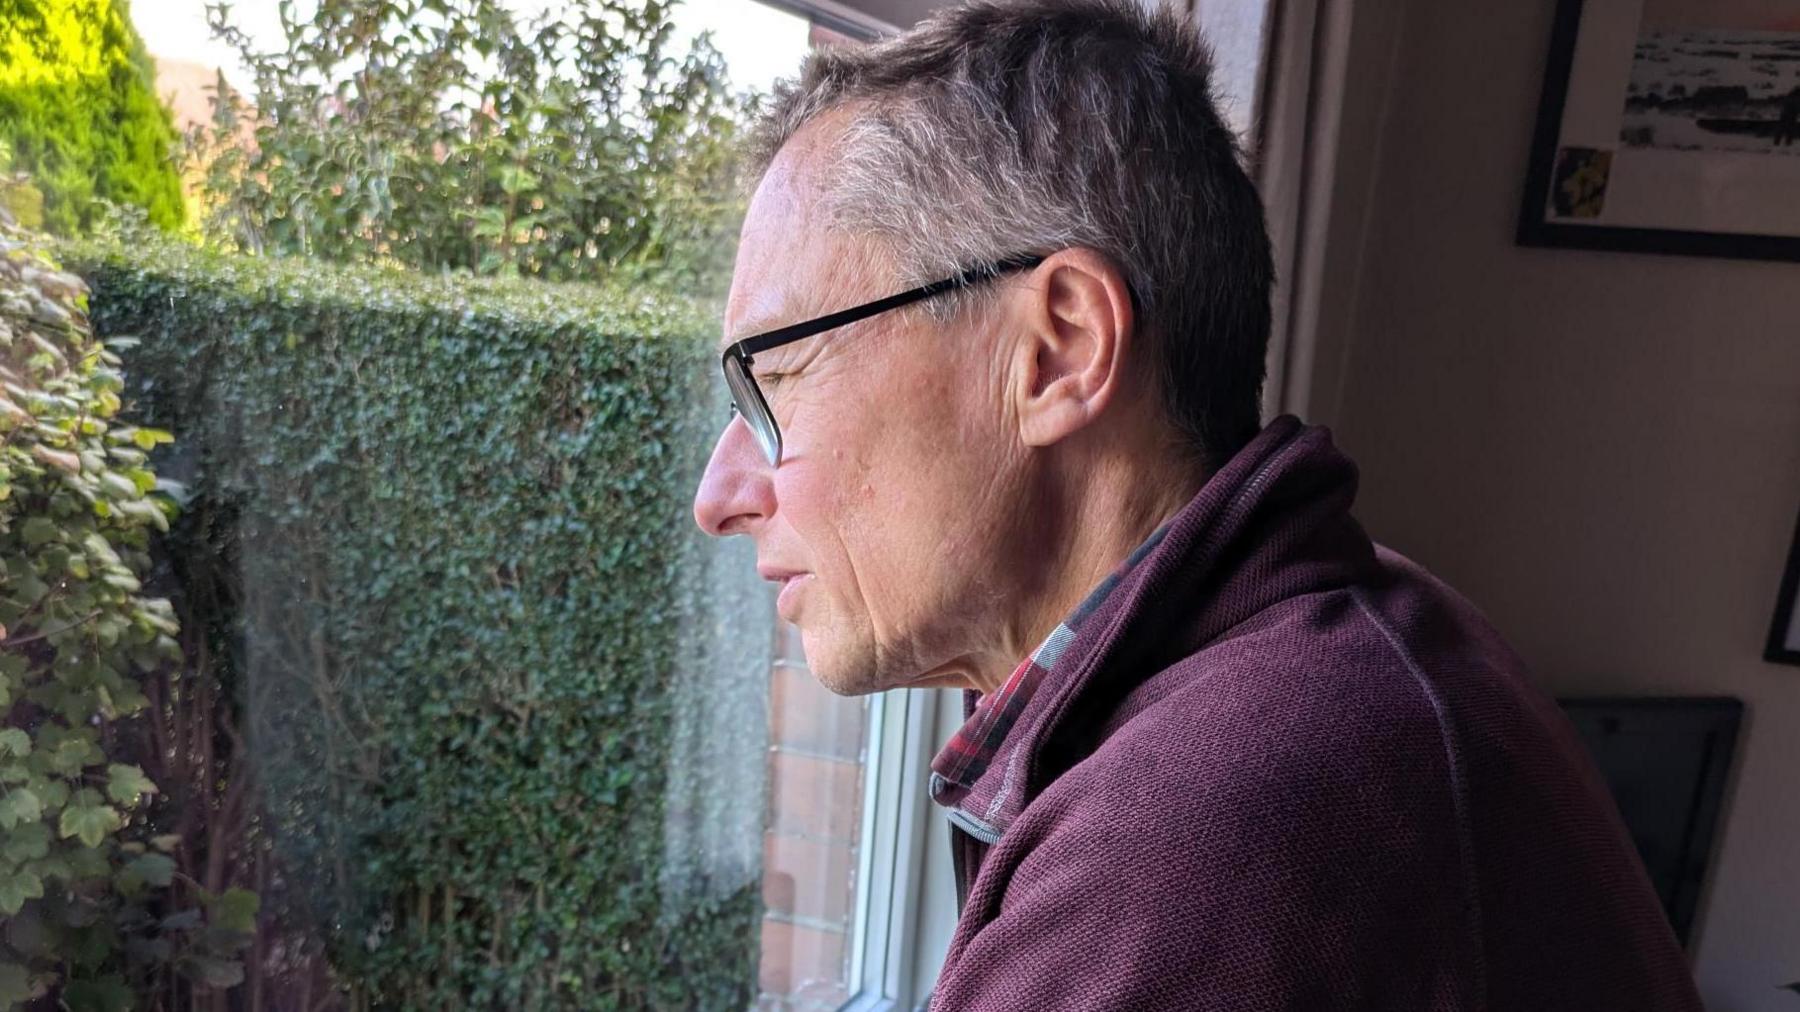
(1004, 126)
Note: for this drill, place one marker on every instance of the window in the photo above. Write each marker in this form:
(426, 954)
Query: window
(414, 746)
(813, 858)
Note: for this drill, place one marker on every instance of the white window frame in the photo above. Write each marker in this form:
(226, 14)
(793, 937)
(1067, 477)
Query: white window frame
(900, 925)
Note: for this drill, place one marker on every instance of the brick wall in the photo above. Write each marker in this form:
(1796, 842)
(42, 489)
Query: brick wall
(820, 37)
(811, 837)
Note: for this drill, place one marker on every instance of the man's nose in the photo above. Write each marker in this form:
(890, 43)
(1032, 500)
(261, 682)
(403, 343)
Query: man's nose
(735, 492)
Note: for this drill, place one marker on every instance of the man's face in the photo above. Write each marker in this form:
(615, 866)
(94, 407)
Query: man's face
(892, 522)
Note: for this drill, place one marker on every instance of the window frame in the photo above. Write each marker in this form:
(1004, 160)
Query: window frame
(836, 16)
(887, 930)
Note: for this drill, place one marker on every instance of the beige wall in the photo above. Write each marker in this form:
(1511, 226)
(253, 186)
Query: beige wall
(1602, 450)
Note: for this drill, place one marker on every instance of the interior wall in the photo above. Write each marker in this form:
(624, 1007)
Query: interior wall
(1602, 450)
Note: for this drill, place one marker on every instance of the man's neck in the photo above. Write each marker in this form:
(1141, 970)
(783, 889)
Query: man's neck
(1104, 511)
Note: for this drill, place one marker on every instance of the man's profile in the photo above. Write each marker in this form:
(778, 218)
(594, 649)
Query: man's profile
(995, 339)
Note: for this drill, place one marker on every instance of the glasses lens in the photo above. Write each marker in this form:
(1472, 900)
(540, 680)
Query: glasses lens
(751, 405)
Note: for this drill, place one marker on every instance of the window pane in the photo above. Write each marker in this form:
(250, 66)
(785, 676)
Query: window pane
(396, 674)
(1238, 31)
(811, 844)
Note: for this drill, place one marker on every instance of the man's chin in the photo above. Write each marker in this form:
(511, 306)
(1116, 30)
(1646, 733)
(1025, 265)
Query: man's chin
(846, 672)
(856, 685)
(849, 667)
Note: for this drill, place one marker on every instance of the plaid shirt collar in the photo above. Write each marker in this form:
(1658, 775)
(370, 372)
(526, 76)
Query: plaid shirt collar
(983, 805)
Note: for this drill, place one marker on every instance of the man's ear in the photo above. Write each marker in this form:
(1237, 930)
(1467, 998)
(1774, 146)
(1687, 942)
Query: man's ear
(1073, 355)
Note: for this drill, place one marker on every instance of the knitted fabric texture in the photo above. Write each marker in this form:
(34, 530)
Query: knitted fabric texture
(1280, 767)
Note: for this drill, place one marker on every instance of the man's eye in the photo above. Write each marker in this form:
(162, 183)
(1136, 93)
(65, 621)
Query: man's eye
(771, 378)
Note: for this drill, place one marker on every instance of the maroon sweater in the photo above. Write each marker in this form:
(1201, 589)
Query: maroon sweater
(1280, 767)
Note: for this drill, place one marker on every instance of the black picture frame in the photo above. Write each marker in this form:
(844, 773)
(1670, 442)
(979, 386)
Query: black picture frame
(1787, 603)
(1667, 761)
(1534, 228)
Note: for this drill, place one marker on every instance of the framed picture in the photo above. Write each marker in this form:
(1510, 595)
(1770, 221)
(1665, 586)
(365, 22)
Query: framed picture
(1669, 126)
(1666, 761)
(1784, 630)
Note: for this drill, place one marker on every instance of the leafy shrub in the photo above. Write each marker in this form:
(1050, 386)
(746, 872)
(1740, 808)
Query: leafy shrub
(441, 135)
(87, 884)
(18, 197)
(79, 112)
(471, 607)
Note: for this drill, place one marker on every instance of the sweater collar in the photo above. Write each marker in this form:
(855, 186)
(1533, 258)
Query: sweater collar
(1271, 523)
(956, 773)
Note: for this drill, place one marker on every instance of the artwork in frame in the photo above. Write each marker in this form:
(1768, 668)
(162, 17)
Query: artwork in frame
(1669, 126)
(1666, 761)
(1784, 629)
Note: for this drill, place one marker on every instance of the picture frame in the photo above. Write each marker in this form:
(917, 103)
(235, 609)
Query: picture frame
(1667, 761)
(1784, 628)
(1669, 126)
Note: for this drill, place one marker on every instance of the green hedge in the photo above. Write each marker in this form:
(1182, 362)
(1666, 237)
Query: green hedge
(506, 727)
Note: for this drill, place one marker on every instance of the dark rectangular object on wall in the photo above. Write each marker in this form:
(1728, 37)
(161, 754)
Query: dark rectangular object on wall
(1784, 628)
(1666, 761)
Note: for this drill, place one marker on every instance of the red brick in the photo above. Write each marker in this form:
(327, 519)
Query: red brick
(805, 715)
(820, 37)
(809, 879)
(797, 958)
(814, 797)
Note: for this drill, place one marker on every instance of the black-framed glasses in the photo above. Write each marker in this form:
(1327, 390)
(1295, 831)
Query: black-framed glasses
(746, 396)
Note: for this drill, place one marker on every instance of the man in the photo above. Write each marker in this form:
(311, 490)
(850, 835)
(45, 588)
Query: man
(1221, 751)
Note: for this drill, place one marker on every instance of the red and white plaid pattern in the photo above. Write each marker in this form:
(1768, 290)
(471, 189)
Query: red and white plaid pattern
(957, 783)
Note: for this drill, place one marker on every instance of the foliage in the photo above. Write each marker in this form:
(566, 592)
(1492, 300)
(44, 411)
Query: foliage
(466, 588)
(445, 134)
(210, 814)
(79, 112)
(88, 888)
(19, 198)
